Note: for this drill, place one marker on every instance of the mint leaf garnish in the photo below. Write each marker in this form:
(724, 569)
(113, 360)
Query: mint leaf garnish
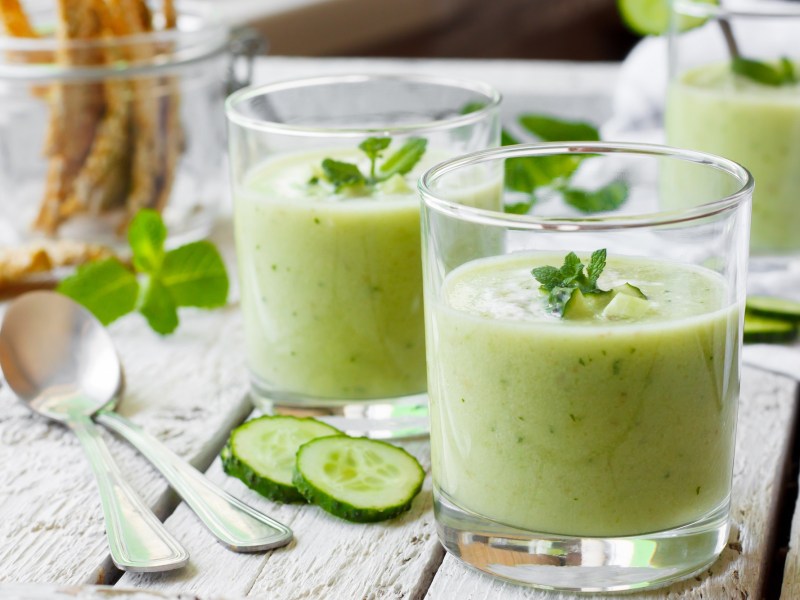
(158, 307)
(550, 129)
(195, 275)
(342, 174)
(107, 288)
(561, 283)
(402, 161)
(596, 265)
(146, 236)
(190, 275)
(788, 69)
(347, 175)
(373, 147)
(606, 198)
(763, 72)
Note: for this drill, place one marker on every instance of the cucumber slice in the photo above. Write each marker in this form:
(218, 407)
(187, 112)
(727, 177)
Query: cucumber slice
(652, 17)
(758, 328)
(262, 453)
(357, 479)
(778, 308)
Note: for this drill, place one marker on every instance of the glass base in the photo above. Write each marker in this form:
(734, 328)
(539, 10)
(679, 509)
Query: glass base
(581, 564)
(386, 418)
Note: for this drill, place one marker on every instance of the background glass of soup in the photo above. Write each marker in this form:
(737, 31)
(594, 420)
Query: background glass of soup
(735, 91)
(591, 451)
(328, 244)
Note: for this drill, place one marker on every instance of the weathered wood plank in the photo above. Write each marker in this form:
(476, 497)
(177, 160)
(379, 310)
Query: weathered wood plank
(766, 415)
(329, 558)
(188, 390)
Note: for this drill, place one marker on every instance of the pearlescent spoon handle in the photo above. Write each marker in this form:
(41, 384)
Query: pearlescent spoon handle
(237, 525)
(137, 540)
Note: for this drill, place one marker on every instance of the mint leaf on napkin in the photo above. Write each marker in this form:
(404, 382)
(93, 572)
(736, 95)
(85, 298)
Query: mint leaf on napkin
(146, 236)
(550, 129)
(107, 288)
(190, 275)
(606, 198)
(158, 307)
(195, 275)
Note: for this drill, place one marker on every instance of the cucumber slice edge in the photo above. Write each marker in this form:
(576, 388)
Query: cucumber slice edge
(345, 509)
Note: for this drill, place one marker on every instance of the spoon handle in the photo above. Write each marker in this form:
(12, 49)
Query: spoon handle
(137, 540)
(237, 525)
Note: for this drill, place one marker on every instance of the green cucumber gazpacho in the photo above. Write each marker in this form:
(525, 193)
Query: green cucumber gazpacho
(714, 109)
(328, 244)
(574, 402)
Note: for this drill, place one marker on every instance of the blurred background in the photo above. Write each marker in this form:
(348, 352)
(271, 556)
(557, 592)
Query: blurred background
(586, 30)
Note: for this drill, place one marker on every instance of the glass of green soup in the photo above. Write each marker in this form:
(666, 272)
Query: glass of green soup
(583, 363)
(327, 232)
(735, 91)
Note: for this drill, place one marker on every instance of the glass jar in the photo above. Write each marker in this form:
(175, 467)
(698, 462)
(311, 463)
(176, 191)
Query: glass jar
(92, 130)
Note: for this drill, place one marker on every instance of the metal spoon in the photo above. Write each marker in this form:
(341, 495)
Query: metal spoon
(85, 353)
(65, 369)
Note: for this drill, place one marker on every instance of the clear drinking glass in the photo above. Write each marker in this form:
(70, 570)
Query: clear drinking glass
(591, 451)
(735, 91)
(331, 276)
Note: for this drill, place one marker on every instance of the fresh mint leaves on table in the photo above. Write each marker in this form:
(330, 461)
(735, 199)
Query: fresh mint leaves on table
(606, 198)
(526, 174)
(161, 282)
(561, 283)
(776, 75)
(342, 175)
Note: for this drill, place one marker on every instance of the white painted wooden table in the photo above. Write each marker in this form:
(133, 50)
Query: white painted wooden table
(190, 390)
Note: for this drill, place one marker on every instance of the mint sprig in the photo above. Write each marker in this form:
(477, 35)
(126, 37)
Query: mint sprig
(530, 173)
(606, 198)
(161, 281)
(561, 283)
(776, 75)
(343, 175)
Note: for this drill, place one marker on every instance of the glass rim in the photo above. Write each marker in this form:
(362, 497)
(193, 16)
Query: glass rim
(774, 8)
(235, 115)
(634, 221)
(178, 47)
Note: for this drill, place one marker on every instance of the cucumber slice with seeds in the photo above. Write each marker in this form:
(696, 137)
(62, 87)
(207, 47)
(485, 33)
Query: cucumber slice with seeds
(778, 308)
(357, 479)
(758, 328)
(262, 453)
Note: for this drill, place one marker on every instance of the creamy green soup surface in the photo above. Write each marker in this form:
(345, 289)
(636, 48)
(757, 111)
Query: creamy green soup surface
(591, 427)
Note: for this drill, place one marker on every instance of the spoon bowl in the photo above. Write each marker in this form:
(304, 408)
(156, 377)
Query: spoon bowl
(56, 359)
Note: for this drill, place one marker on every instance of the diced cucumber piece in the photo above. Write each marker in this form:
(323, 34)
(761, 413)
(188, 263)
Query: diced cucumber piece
(758, 328)
(357, 479)
(625, 307)
(778, 308)
(629, 290)
(586, 306)
(262, 453)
